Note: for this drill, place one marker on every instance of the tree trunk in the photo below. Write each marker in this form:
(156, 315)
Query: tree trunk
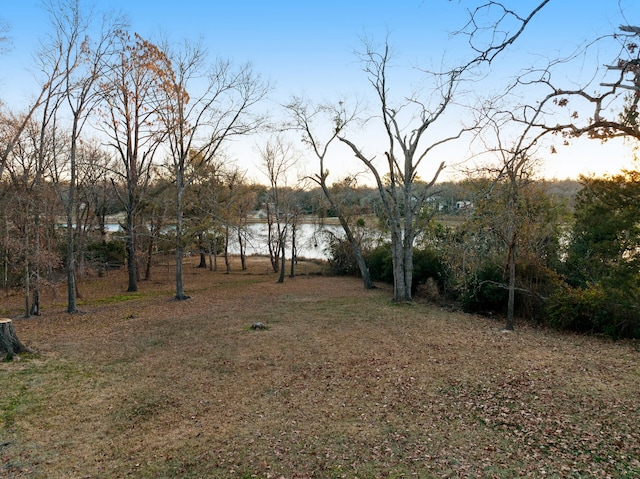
(203, 256)
(180, 295)
(131, 252)
(147, 268)
(27, 285)
(227, 260)
(5, 272)
(355, 245)
(294, 254)
(282, 265)
(357, 252)
(401, 291)
(243, 256)
(71, 280)
(512, 287)
(274, 248)
(35, 306)
(408, 264)
(9, 342)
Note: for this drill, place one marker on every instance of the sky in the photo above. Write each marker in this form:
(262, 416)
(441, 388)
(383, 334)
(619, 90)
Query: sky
(308, 48)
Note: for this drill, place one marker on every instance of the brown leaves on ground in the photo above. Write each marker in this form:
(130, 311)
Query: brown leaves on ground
(340, 383)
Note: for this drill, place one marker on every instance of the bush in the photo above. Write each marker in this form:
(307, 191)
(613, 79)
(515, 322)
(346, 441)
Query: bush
(106, 253)
(576, 308)
(485, 291)
(341, 260)
(380, 263)
(595, 309)
(426, 264)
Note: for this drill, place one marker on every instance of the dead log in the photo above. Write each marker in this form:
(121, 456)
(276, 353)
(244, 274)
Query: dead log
(10, 345)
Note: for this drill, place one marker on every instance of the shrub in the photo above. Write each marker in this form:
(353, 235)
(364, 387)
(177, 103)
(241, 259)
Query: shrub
(596, 308)
(485, 291)
(427, 264)
(106, 253)
(380, 263)
(341, 260)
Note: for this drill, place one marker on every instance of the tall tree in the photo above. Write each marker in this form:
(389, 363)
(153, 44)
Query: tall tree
(203, 108)
(83, 61)
(505, 202)
(131, 122)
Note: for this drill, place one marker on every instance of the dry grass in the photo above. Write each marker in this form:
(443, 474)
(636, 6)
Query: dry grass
(341, 384)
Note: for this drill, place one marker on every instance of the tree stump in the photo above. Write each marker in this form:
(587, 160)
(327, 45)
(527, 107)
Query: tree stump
(9, 342)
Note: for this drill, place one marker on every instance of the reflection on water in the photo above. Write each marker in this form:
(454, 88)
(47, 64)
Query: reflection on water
(311, 240)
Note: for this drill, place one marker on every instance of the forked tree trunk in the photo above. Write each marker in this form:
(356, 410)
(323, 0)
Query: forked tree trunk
(9, 342)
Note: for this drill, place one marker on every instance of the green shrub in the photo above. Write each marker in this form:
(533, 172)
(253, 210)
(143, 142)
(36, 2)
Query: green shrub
(485, 291)
(427, 263)
(576, 308)
(106, 253)
(596, 309)
(380, 263)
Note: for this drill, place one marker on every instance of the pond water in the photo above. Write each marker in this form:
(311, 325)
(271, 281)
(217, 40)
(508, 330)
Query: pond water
(311, 240)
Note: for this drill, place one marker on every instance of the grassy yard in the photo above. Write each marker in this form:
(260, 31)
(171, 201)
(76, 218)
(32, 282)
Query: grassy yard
(342, 383)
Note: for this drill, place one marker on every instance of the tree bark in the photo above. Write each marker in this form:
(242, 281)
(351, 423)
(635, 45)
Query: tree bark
(180, 295)
(9, 342)
(294, 253)
(131, 252)
(203, 256)
(282, 260)
(509, 326)
(243, 256)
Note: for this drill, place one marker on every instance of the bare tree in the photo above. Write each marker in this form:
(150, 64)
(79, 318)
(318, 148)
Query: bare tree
(155, 211)
(234, 203)
(305, 117)
(131, 123)
(278, 160)
(203, 108)
(612, 105)
(34, 208)
(82, 61)
(503, 203)
(407, 125)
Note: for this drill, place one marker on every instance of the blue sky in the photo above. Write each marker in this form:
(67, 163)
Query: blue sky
(307, 47)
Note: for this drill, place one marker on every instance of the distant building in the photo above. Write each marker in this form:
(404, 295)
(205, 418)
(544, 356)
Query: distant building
(464, 205)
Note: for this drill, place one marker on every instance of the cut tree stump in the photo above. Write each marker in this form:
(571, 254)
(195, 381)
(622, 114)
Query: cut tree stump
(9, 342)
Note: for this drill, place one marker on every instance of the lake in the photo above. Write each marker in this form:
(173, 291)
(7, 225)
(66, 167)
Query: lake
(311, 239)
